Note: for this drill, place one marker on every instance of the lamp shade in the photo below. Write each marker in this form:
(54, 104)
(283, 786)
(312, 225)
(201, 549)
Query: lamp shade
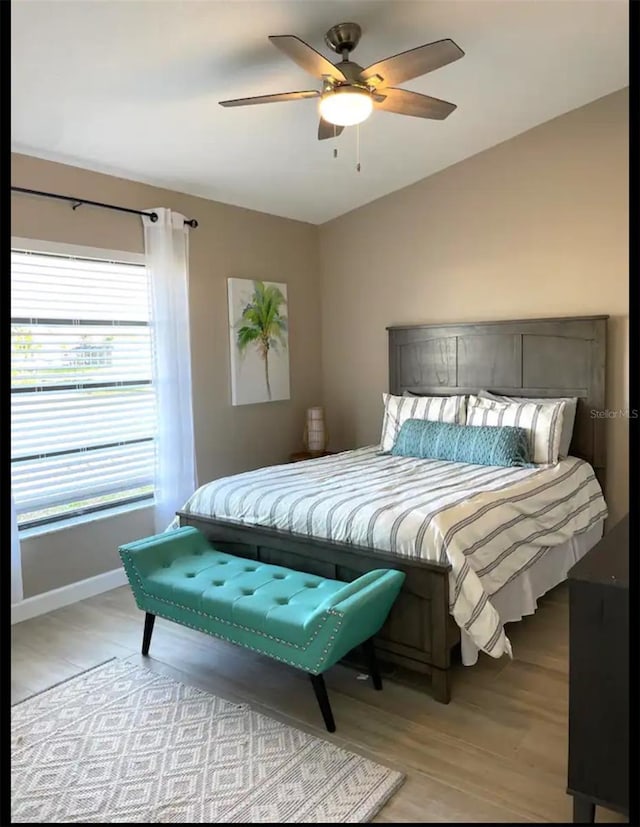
(315, 432)
(346, 105)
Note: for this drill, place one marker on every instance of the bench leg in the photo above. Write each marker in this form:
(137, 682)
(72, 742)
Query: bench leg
(323, 700)
(149, 620)
(370, 652)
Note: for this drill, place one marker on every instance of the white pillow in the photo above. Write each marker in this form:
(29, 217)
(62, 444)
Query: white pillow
(461, 405)
(397, 409)
(568, 419)
(543, 423)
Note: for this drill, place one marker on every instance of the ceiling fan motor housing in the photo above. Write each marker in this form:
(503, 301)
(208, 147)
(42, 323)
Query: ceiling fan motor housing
(351, 72)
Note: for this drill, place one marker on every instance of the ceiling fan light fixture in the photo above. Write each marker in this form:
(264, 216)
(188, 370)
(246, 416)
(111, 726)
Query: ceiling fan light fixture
(346, 105)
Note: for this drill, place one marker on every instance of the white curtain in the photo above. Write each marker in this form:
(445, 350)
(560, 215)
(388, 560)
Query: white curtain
(167, 255)
(16, 562)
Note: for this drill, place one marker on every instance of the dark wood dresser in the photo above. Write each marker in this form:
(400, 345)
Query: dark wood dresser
(599, 677)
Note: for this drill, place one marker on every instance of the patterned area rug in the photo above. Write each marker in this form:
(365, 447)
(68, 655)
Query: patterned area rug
(123, 744)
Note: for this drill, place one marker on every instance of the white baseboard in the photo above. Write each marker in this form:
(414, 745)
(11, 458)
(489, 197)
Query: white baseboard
(57, 598)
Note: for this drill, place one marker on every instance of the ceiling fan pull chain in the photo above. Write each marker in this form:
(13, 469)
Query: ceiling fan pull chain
(358, 148)
(335, 135)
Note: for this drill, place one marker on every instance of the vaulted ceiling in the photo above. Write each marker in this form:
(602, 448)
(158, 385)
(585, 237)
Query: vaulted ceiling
(131, 88)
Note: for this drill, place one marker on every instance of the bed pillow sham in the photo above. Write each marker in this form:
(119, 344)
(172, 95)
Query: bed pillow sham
(461, 403)
(568, 419)
(543, 423)
(479, 445)
(397, 409)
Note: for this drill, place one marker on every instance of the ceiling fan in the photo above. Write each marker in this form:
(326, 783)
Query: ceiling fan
(349, 92)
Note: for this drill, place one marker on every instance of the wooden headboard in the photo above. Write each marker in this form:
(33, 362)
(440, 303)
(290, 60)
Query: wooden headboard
(523, 357)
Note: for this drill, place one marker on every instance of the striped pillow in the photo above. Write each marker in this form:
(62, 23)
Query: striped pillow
(568, 419)
(461, 415)
(505, 446)
(543, 423)
(397, 409)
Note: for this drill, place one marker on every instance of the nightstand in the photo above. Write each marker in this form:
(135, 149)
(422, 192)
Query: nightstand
(299, 456)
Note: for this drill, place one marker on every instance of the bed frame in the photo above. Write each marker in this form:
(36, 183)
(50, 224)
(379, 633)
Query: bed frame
(525, 357)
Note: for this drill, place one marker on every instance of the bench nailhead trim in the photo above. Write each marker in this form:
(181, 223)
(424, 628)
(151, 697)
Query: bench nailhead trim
(316, 669)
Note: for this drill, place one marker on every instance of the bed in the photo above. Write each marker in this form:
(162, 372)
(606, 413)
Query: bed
(442, 604)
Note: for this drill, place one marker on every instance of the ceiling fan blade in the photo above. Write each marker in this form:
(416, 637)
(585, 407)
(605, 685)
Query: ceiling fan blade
(328, 130)
(415, 62)
(283, 96)
(404, 102)
(307, 58)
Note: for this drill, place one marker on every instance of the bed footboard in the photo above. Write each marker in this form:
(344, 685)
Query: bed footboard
(419, 634)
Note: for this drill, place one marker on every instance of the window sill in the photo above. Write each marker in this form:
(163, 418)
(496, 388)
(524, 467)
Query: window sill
(62, 525)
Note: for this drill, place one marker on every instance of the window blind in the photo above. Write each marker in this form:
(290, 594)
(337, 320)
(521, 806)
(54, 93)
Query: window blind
(83, 417)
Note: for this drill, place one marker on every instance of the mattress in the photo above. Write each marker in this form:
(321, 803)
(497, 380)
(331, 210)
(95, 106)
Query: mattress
(489, 524)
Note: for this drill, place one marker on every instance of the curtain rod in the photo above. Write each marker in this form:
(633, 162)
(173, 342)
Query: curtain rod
(78, 202)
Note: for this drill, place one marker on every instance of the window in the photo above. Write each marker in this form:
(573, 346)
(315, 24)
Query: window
(83, 415)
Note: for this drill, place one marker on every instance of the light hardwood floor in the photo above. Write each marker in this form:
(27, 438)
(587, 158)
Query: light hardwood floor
(496, 753)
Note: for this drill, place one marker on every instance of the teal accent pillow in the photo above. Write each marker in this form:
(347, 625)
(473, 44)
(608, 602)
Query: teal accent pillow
(475, 444)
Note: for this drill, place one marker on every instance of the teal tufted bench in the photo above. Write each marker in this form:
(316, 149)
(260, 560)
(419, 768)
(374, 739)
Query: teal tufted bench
(307, 621)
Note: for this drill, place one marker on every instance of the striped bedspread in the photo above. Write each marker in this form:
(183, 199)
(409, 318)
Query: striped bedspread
(489, 523)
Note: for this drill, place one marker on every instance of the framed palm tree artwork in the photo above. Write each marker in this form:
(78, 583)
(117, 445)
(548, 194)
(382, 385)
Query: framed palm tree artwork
(259, 341)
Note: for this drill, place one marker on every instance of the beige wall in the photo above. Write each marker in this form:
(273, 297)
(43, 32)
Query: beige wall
(536, 226)
(229, 242)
